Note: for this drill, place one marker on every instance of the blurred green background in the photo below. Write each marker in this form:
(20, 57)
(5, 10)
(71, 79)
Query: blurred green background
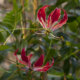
(18, 14)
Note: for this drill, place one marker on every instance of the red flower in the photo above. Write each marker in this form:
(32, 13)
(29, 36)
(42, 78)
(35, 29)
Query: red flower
(52, 23)
(37, 66)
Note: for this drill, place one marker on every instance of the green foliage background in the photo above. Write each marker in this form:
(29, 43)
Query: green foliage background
(66, 51)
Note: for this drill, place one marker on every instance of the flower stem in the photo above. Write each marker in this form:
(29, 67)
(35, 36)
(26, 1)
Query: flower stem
(23, 19)
(48, 52)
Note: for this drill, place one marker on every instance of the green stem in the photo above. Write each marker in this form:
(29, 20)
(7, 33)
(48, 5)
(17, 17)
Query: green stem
(9, 36)
(44, 75)
(23, 19)
(13, 29)
(23, 28)
(48, 52)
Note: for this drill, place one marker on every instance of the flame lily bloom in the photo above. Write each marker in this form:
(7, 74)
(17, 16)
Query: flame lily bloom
(52, 23)
(37, 66)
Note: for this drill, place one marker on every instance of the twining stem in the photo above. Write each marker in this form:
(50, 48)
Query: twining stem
(23, 19)
(44, 75)
(9, 36)
(48, 51)
(11, 32)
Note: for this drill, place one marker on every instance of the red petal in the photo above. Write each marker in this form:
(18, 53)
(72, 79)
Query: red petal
(62, 22)
(44, 68)
(29, 57)
(41, 69)
(47, 64)
(15, 53)
(39, 62)
(42, 16)
(23, 56)
(54, 16)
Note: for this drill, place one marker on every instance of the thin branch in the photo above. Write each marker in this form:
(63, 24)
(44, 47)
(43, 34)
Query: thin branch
(23, 19)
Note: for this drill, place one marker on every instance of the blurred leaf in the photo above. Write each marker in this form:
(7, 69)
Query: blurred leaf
(15, 5)
(71, 18)
(4, 47)
(66, 66)
(63, 36)
(3, 35)
(73, 26)
(78, 19)
(59, 2)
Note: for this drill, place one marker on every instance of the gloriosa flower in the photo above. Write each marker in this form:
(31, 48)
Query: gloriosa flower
(52, 23)
(37, 66)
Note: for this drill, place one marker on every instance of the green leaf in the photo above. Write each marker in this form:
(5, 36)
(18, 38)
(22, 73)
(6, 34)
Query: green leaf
(15, 5)
(59, 2)
(66, 66)
(78, 19)
(73, 26)
(3, 35)
(4, 47)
